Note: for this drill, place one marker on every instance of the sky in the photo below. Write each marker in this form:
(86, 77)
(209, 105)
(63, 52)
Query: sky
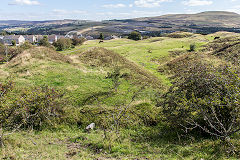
(107, 9)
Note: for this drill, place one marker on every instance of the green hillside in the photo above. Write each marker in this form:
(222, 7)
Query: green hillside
(115, 84)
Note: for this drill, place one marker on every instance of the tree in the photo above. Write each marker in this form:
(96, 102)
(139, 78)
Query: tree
(135, 36)
(3, 33)
(101, 36)
(62, 44)
(13, 43)
(44, 42)
(78, 41)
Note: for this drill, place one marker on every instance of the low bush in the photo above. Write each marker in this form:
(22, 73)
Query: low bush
(180, 35)
(205, 97)
(62, 44)
(192, 48)
(135, 36)
(30, 108)
(78, 41)
(26, 45)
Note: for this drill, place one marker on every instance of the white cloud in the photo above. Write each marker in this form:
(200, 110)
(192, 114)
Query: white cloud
(24, 2)
(114, 5)
(149, 3)
(197, 2)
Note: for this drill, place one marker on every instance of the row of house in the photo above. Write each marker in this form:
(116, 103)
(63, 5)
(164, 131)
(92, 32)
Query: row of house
(20, 39)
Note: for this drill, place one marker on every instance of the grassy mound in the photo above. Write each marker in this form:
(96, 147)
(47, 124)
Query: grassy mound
(101, 57)
(226, 48)
(36, 54)
(180, 34)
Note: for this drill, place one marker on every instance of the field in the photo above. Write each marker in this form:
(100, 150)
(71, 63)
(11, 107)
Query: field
(149, 53)
(81, 73)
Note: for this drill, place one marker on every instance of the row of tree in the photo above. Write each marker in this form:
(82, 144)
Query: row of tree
(62, 43)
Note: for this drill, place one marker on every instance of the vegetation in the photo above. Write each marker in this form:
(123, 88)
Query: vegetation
(13, 43)
(135, 36)
(101, 36)
(62, 44)
(44, 42)
(192, 48)
(78, 41)
(149, 99)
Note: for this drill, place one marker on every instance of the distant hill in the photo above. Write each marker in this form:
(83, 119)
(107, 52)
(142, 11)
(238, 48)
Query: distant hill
(47, 22)
(205, 22)
(210, 19)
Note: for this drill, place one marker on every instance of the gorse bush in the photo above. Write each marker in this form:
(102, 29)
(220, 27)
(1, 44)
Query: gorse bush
(44, 42)
(62, 44)
(135, 36)
(30, 108)
(205, 97)
(78, 41)
(26, 45)
(7, 53)
(192, 48)
(38, 106)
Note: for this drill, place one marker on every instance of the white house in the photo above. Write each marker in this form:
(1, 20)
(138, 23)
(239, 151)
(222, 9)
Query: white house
(111, 37)
(39, 37)
(30, 38)
(7, 40)
(1, 39)
(52, 38)
(89, 38)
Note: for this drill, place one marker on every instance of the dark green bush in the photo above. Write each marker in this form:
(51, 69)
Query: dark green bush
(78, 41)
(44, 42)
(192, 48)
(135, 36)
(31, 108)
(26, 45)
(205, 97)
(62, 44)
(101, 36)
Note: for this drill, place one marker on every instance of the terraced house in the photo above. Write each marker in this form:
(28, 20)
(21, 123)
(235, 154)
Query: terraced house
(19, 39)
(30, 38)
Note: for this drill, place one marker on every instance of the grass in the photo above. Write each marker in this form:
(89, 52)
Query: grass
(149, 53)
(73, 143)
(79, 79)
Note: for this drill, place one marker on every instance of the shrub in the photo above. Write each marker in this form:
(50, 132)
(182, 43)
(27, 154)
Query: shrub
(78, 41)
(180, 34)
(62, 44)
(192, 48)
(7, 53)
(26, 45)
(135, 36)
(44, 42)
(2, 49)
(13, 43)
(205, 97)
(101, 36)
(5, 110)
(31, 108)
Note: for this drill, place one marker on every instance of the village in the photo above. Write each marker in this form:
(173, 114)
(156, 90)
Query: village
(35, 39)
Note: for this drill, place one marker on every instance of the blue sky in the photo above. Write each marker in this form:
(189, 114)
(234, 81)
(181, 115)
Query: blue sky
(107, 9)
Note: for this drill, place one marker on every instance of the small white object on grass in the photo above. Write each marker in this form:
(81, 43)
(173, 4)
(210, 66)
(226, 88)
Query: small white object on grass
(90, 126)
